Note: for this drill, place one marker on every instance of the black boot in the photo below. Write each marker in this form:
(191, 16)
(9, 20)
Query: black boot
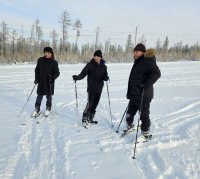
(91, 118)
(37, 107)
(129, 125)
(129, 121)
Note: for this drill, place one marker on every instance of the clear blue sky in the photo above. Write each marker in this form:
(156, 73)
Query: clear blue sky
(178, 19)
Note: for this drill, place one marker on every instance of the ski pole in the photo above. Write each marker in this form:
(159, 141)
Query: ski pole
(122, 119)
(50, 90)
(109, 104)
(26, 101)
(76, 106)
(140, 112)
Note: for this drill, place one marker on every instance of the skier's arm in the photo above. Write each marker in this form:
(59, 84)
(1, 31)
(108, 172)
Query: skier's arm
(37, 71)
(153, 75)
(106, 77)
(56, 71)
(84, 72)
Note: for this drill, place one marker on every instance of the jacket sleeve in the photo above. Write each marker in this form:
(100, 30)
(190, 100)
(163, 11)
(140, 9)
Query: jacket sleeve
(84, 72)
(37, 71)
(153, 74)
(105, 77)
(128, 93)
(56, 71)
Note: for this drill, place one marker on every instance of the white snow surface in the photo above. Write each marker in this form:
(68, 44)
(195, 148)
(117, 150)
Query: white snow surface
(53, 149)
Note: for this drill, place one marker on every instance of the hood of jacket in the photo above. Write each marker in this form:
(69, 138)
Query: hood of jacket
(150, 54)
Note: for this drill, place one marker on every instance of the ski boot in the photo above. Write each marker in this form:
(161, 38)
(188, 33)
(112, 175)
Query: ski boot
(48, 111)
(145, 136)
(129, 128)
(36, 112)
(91, 118)
(85, 121)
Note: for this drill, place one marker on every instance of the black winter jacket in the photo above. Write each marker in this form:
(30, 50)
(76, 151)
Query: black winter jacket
(96, 75)
(46, 72)
(144, 72)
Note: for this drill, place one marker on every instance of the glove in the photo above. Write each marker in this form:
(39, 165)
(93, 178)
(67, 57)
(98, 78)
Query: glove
(75, 77)
(106, 78)
(141, 86)
(127, 96)
(35, 82)
(51, 80)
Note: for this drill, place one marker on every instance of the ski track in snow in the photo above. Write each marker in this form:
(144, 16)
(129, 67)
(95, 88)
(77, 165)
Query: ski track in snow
(54, 149)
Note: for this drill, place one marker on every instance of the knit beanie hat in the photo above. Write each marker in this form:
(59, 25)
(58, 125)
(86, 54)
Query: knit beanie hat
(98, 53)
(140, 47)
(48, 49)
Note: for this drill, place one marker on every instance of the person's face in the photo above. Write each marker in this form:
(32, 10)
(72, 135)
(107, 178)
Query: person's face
(97, 59)
(137, 54)
(47, 54)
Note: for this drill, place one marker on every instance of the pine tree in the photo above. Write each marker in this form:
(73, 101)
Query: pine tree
(129, 44)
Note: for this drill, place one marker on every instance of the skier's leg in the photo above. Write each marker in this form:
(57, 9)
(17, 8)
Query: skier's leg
(37, 106)
(97, 97)
(145, 126)
(38, 103)
(87, 110)
(132, 110)
(49, 102)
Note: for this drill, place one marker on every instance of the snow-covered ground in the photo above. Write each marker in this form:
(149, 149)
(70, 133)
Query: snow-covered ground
(54, 148)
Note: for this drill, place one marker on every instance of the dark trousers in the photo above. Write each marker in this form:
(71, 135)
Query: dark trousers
(133, 106)
(93, 101)
(39, 100)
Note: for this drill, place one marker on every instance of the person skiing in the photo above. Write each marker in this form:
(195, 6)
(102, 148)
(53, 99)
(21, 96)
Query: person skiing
(96, 72)
(143, 75)
(46, 72)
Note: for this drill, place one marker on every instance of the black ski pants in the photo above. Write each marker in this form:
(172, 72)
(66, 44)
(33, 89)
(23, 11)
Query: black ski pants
(135, 105)
(39, 100)
(93, 101)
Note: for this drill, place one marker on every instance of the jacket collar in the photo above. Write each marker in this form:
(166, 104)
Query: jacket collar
(139, 59)
(102, 62)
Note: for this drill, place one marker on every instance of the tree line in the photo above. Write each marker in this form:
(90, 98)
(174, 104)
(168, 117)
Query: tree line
(16, 48)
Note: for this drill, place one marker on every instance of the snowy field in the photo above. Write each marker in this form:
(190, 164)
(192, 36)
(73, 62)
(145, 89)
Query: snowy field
(54, 149)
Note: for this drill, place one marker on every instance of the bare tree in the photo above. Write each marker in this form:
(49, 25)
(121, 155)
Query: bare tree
(158, 45)
(65, 22)
(107, 46)
(97, 38)
(142, 39)
(54, 37)
(38, 32)
(77, 26)
(14, 34)
(4, 38)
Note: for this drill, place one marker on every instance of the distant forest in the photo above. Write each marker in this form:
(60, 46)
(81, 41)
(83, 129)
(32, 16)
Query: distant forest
(18, 48)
